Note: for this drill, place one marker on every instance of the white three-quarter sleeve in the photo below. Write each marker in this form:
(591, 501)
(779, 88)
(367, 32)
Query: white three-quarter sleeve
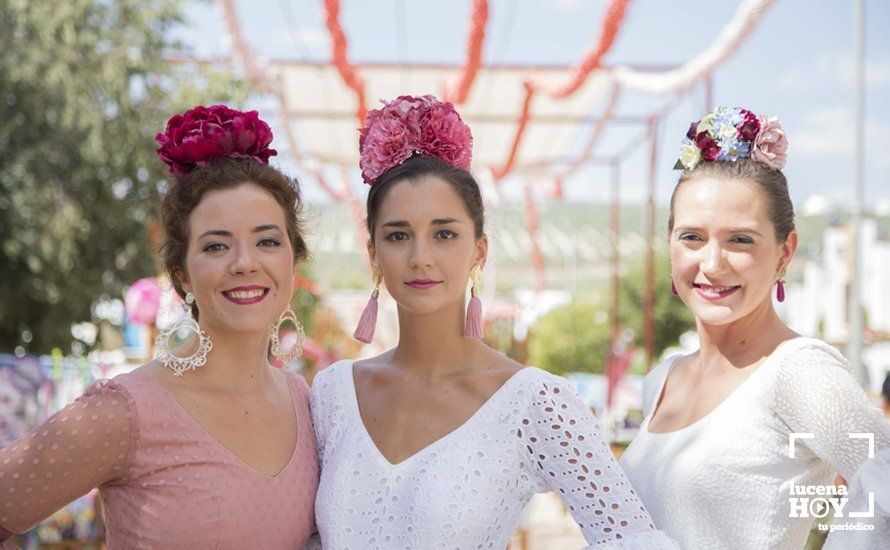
(568, 455)
(817, 395)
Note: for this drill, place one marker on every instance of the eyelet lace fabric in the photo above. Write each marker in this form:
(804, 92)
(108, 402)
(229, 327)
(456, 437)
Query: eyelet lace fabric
(164, 481)
(726, 480)
(466, 489)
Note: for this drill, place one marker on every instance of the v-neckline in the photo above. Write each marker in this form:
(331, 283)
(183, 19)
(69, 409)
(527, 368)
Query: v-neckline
(777, 354)
(225, 449)
(350, 373)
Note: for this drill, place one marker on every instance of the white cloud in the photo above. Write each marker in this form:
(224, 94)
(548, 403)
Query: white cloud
(312, 40)
(833, 69)
(828, 132)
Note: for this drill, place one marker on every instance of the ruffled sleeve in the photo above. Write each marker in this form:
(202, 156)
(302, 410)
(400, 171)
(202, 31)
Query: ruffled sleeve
(818, 396)
(568, 455)
(83, 446)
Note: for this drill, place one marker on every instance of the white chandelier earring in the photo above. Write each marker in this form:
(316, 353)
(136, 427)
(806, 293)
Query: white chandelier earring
(165, 355)
(296, 351)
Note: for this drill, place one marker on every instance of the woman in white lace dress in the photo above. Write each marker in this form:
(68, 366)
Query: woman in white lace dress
(441, 441)
(742, 438)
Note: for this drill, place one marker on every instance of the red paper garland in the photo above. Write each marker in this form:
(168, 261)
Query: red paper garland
(479, 19)
(611, 25)
(347, 71)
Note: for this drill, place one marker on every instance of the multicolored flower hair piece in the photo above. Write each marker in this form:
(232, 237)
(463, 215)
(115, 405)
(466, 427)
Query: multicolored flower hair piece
(409, 126)
(203, 134)
(728, 134)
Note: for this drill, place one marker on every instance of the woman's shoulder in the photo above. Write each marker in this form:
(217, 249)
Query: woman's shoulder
(811, 353)
(540, 388)
(331, 377)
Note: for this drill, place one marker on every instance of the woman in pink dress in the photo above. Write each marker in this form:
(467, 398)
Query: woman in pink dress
(209, 446)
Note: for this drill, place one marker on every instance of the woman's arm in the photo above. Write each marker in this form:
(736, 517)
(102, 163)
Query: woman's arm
(84, 445)
(817, 395)
(569, 456)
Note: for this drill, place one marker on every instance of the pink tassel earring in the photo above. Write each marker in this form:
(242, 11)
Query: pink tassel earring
(473, 324)
(364, 332)
(780, 285)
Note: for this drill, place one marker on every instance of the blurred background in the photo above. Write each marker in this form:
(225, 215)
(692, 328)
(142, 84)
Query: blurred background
(577, 107)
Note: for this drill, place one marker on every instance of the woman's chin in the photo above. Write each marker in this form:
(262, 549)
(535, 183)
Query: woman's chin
(714, 315)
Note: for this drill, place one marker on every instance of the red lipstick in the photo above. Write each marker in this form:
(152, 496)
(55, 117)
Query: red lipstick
(246, 295)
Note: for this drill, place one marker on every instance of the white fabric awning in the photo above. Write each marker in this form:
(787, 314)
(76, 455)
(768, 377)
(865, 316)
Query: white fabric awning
(322, 109)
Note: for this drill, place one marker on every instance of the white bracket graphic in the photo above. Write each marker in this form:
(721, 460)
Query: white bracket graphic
(871, 495)
(793, 437)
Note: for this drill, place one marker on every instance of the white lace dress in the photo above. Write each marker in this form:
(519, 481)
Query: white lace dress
(726, 480)
(466, 489)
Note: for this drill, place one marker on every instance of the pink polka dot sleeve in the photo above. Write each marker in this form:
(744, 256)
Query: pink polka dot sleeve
(84, 445)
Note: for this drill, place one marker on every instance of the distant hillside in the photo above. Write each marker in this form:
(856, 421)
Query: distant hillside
(573, 238)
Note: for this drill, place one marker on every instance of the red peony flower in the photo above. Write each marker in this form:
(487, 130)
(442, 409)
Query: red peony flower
(202, 134)
(710, 149)
(703, 140)
(749, 127)
(408, 125)
(693, 128)
(712, 152)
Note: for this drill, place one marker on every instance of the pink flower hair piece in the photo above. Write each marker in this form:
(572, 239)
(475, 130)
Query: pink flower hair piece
(771, 144)
(204, 134)
(408, 126)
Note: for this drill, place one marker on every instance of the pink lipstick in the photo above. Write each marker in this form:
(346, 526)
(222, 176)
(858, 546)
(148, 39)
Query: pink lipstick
(422, 284)
(714, 292)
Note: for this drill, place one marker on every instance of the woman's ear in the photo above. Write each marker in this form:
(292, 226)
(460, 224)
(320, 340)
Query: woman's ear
(182, 279)
(481, 254)
(372, 253)
(789, 248)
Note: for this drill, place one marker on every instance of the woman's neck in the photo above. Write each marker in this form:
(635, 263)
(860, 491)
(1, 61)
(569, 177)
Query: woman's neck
(238, 361)
(433, 345)
(745, 341)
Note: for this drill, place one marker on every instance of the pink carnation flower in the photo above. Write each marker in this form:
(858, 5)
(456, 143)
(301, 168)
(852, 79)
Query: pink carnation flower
(409, 125)
(771, 145)
(204, 134)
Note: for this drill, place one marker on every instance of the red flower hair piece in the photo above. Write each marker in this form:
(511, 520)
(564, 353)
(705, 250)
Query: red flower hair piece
(204, 134)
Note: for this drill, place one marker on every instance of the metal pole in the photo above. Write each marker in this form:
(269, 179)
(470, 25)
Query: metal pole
(649, 314)
(709, 94)
(854, 349)
(615, 222)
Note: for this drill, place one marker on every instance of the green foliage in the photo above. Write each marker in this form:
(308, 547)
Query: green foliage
(672, 318)
(576, 337)
(84, 88)
(571, 338)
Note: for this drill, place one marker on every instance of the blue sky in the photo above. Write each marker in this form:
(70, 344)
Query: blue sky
(797, 64)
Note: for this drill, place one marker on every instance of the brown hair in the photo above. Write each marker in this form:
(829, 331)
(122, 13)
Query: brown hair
(771, 182)
(417, 167)
(185, 192)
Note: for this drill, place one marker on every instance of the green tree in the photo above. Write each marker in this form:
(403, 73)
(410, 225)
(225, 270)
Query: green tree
(84, 88)
(576, 337)
(671, 317)
(571, 338)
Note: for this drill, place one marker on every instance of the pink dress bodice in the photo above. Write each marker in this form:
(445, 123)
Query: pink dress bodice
(165, 482)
